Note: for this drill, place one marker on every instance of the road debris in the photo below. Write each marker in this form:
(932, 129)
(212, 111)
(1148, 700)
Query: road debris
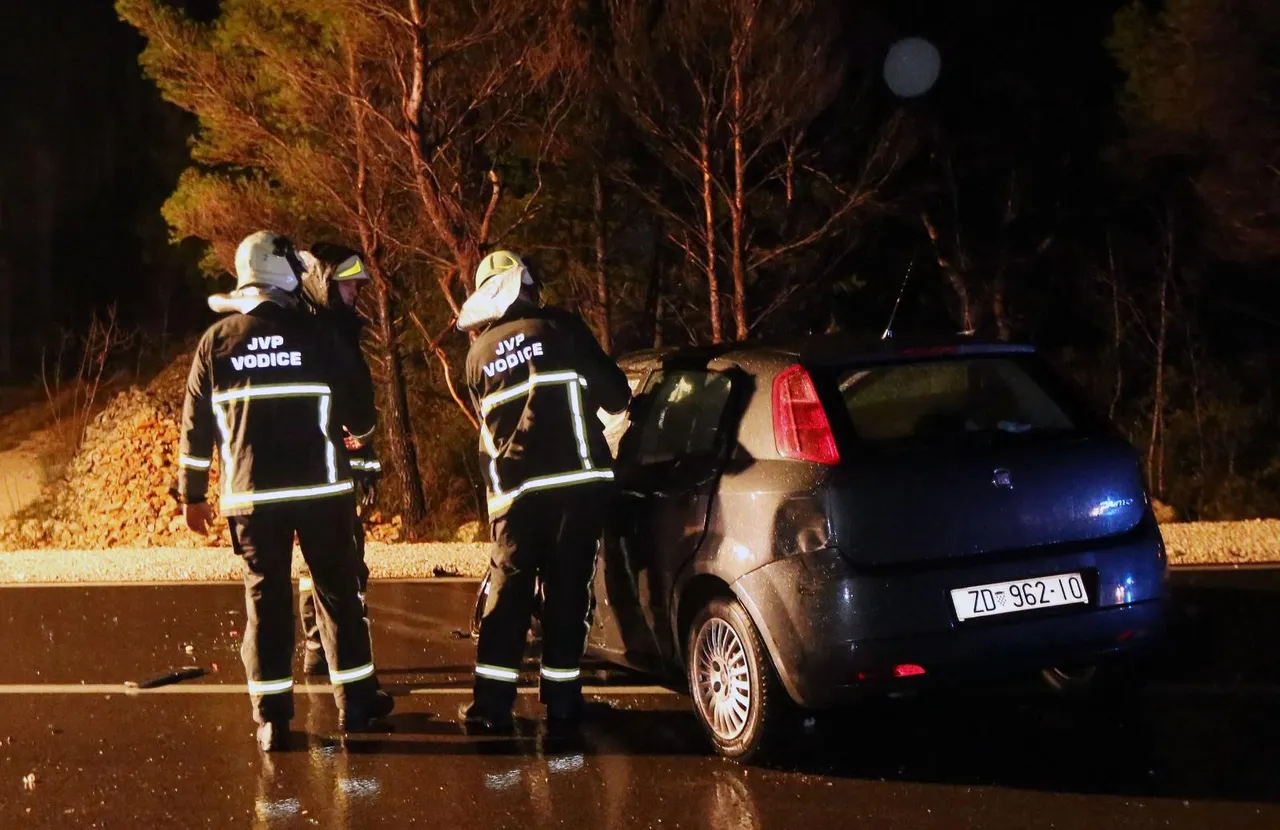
(185, 673)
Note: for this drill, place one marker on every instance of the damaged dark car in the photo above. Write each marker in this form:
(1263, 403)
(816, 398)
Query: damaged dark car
(807, 527)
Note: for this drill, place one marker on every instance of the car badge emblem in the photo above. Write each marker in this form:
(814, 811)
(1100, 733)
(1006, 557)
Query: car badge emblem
(1002, 478)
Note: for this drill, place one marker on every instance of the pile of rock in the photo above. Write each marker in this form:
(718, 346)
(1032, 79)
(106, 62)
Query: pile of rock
(378, 528)
(116, 491)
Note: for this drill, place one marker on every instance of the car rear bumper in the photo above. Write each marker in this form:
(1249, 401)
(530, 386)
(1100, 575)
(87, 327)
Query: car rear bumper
(836, 635)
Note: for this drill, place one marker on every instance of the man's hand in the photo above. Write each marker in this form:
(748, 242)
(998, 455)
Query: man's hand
(369, 494)
(351, 442)
(198, 516)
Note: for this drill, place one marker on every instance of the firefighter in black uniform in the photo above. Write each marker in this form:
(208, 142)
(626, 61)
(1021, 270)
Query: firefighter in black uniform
(330, 286)
(271, 389)
(537, 377)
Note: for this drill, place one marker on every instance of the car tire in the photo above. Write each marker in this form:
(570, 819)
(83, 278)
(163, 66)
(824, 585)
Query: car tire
(724, 652)
(1074, 681)
(1092, 683)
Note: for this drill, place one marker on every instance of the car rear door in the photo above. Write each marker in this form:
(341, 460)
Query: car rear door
(670, 462)
(974, 456)
(614, 623)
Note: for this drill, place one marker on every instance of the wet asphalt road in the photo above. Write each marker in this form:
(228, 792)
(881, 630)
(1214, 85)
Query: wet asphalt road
(1201, 749)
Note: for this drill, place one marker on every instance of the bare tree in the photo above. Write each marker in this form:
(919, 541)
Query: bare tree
(653, 291)
(1117, 328)
(723, 92)
(399, 430)
(604, 319)
(1155, 442)
(501, 95)
(663, 80)
(979, 270)
(953, 267)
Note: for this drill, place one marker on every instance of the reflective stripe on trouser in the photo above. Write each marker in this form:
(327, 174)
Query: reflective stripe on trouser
(497, 673)
(560, 675)
(264, 540)
(270, 687)
(553, 535)
(340, 677)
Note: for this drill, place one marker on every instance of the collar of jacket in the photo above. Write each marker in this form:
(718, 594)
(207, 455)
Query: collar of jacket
(245, 300)
(520, 310)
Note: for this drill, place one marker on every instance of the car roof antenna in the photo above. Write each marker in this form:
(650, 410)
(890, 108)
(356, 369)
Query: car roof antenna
(888, 329)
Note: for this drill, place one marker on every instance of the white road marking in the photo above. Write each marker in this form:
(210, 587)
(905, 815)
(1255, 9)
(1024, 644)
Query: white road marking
(1223, 567)
(425, 580)
(243, 689)
(1163, 690)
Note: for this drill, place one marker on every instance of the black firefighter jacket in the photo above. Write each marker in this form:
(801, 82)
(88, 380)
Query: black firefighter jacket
(537, 378)
(323, 300)
(271, 391)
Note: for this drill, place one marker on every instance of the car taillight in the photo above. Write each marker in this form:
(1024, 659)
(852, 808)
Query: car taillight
(800, 426)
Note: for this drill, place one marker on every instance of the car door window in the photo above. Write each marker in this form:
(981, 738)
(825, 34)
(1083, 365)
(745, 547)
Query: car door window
(684, 415)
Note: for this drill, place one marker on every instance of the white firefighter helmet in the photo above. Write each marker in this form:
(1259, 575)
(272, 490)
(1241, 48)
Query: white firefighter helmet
(267, 259)
(502, 263)
(499, 279)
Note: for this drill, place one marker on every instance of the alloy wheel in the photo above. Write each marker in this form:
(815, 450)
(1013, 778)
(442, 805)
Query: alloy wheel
(722, 679)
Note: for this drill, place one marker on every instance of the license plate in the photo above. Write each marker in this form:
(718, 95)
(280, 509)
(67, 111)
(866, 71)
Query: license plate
(1020, 595)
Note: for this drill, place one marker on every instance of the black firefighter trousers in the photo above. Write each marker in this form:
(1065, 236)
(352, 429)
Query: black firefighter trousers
(264, 540)
(307, 598)
(552, 534)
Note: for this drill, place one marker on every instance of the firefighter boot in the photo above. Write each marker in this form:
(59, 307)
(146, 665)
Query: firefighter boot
(364, 715)
(273, 735)
(476, 721)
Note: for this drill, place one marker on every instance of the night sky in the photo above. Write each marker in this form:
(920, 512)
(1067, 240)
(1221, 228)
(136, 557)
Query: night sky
(90, 152)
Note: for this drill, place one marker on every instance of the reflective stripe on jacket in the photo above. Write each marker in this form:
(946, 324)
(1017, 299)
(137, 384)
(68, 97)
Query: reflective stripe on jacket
(269, 391)
(537, 378)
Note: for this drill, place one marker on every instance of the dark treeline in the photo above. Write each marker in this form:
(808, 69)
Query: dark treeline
(1096, 178)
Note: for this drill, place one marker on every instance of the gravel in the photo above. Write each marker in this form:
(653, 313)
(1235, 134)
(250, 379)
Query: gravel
(1197, 543)
(1223, 543)
(386, 561)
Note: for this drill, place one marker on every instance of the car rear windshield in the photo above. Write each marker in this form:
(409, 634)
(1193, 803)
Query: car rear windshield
(952, 399)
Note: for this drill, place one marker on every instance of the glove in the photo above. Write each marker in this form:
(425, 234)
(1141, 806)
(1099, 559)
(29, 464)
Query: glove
(368, 493)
